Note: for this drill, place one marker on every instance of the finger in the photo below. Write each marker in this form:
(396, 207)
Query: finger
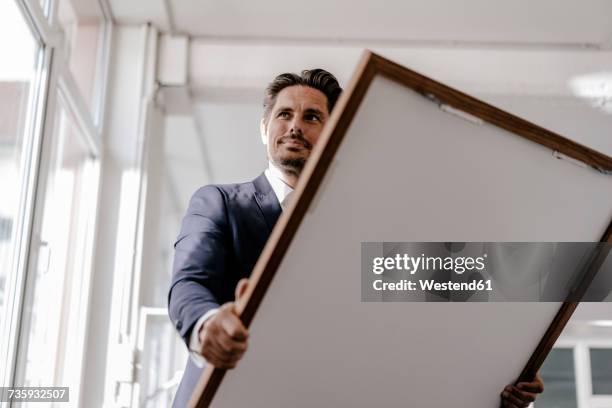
(230, 345)
(217, 338)
(213, 357)
(241, 288)
(536, 386)
(512, 400)
(218, 357)
(227, 320)
(219, 363)
(234, 327)
(523, 396)
(504, 396)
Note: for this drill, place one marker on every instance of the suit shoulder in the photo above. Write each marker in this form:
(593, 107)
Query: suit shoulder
(216, 200)
(207, 192)
(226, 191)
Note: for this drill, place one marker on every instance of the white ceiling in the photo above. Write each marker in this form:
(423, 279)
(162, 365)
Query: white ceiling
(518, 22)
(85, 10)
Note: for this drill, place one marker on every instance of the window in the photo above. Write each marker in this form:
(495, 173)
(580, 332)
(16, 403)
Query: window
(53, 324)
(601, 370)
(558, 374)
(162, 362)
(44, 5)
(49, 175)
(19, 86)
(82, 28)
(578, 372)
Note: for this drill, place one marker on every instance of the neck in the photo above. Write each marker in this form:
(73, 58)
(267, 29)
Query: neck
(288, 174)
(290, 178)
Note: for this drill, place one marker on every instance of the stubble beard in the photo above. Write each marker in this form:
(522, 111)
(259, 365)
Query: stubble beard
(292, 165)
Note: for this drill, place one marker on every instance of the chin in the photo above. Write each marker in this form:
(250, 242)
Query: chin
(293, 157)
(294, 163)
(293, 154)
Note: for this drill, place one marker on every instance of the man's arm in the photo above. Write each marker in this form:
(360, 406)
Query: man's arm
(200, 278)
(201, 281)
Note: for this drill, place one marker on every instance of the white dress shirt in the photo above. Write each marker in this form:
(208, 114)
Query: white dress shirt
(283, 193)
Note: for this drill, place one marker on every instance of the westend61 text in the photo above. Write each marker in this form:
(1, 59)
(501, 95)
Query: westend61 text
(429, 285)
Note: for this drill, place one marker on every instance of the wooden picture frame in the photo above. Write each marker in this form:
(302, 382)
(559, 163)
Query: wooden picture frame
(369, 67)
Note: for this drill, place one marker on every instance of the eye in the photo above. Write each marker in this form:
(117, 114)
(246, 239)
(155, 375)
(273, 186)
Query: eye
(283, 114)
(312, 116)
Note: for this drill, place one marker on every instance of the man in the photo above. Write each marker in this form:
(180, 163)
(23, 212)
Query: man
(227, 226)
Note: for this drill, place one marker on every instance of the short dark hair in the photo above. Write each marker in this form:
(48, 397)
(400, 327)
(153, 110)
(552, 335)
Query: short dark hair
(315, 78)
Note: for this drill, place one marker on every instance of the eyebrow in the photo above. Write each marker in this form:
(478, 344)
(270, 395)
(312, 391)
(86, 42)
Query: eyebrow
(309, 110)
(315, 111)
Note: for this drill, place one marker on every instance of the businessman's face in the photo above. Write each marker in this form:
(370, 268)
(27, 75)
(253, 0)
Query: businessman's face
(295, 123)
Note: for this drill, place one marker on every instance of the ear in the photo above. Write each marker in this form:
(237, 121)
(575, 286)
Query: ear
(262, 132)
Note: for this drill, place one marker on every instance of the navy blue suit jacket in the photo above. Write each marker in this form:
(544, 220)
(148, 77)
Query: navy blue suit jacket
(222, 235)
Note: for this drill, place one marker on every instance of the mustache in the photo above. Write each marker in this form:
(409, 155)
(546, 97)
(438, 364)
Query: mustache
(296, 136)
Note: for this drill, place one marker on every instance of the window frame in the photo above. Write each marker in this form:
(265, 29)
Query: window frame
(595, 400)
(60, 94)
(34, 127)
(53, 80)
(582, 370)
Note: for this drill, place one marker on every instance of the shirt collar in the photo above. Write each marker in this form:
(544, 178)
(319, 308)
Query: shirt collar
(275, 178)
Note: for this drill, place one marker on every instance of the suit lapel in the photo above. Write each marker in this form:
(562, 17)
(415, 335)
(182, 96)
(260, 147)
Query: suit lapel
(267, 201)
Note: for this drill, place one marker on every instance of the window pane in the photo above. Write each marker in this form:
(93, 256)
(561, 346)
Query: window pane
(559, 380)
(44, 5)
(601, 370)
(80, 23)
(52, 328)
(162, 362)
(17, 85)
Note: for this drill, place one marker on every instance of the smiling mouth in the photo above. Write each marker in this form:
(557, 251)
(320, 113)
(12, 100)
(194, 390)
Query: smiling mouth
(295, 143)
(292, 143)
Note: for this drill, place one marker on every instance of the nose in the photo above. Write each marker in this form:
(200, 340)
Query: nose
(297, 126)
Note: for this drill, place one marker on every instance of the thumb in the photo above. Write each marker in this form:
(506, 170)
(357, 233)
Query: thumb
(241, 288)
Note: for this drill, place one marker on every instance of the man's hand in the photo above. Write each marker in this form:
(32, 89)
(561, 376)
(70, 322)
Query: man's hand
(523, 394)
(223, 336)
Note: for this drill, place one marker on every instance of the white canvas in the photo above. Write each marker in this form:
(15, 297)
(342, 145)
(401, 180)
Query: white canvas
(408, 171)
